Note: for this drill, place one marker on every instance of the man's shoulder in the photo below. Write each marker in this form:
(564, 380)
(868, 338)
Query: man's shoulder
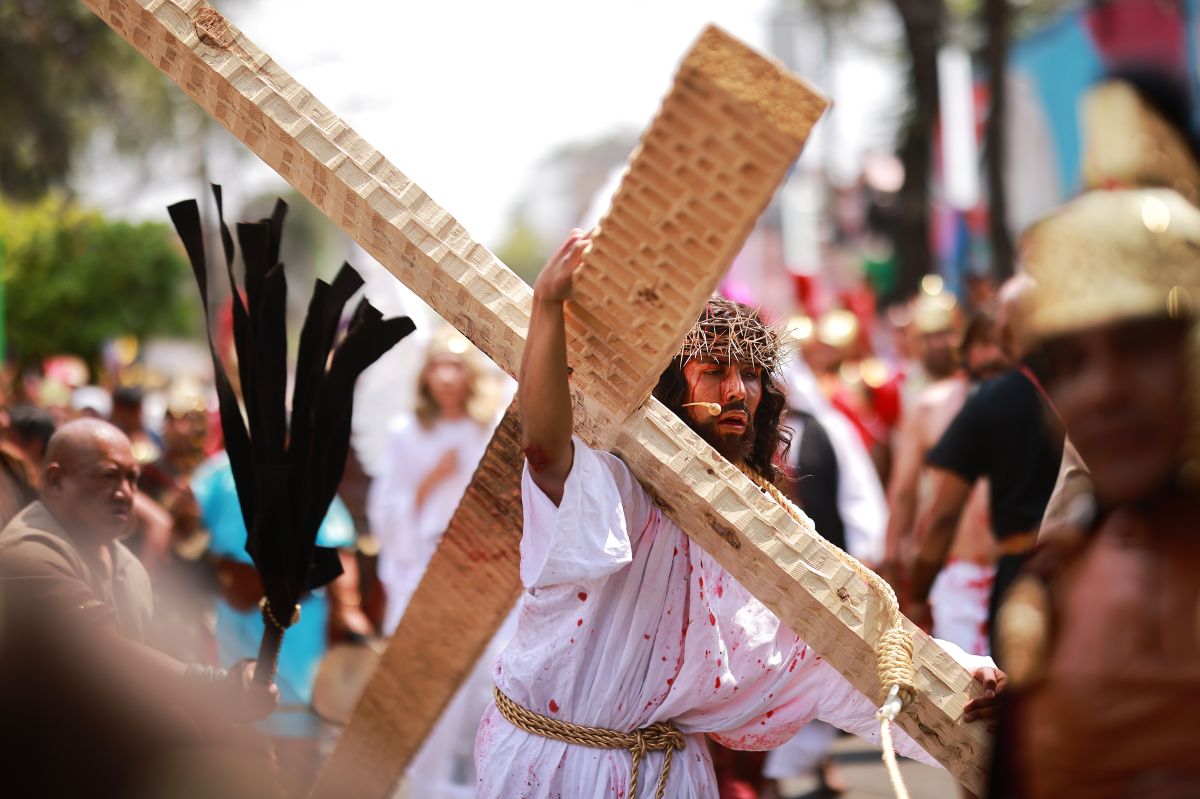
(1005, 385)
(1009, 396)
(936, 407)
(33, 541)
(588, 459)
(617, 466)
(34, 521)
(936, 395)
(980, 399)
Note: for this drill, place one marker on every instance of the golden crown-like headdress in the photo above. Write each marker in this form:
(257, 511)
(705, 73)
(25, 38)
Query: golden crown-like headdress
(1127, 144)
(1111, 255)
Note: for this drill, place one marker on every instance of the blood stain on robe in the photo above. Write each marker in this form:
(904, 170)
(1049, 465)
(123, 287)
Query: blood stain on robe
(553, 706)
(583, 596)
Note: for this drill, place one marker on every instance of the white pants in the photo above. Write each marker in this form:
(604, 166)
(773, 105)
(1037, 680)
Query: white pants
(959, 604)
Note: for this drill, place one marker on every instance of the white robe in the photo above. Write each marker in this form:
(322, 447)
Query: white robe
(626, 623)
(408, 535)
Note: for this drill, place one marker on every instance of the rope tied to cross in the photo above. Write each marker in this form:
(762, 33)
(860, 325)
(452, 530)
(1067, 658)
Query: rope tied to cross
(893, 650)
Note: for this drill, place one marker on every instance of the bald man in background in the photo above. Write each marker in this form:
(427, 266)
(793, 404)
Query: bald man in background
(87, 707)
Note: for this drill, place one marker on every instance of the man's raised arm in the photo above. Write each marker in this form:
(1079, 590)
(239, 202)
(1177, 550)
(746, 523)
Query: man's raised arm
(543, 396)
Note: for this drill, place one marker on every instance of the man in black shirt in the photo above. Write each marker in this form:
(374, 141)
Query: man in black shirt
(1004, 433)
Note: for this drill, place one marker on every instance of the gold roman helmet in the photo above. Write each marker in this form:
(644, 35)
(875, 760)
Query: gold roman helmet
(933, 313)
(1104, 257)
(1128, 247)
(1108, 256)
(838, 328)
(1112, 255)
(1117, 252)
(1128, 144)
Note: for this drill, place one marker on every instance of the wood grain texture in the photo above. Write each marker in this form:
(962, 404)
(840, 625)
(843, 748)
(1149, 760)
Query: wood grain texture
(698, 180)
(792, 570)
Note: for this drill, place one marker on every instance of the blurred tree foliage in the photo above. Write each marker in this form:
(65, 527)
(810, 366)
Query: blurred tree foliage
(64, 76)
(523, 251)
(73, 279)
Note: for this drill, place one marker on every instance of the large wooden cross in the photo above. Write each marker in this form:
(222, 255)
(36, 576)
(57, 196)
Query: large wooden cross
(725, 136)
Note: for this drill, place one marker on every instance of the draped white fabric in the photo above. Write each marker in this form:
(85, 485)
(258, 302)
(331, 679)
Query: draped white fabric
(626, 623)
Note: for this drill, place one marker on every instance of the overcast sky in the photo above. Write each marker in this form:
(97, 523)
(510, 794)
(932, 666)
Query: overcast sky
(466, 96)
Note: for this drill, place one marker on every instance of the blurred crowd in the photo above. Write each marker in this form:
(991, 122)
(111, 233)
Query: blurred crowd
(929, 441)
(866, 397)
(187, 530)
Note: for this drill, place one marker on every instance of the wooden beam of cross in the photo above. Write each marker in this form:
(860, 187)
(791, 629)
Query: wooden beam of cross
(469, 587)
(747, 120)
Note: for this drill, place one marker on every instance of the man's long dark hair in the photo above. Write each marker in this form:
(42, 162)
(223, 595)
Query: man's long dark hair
(770, 434)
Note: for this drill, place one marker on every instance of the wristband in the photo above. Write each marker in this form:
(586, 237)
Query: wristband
(205, 675)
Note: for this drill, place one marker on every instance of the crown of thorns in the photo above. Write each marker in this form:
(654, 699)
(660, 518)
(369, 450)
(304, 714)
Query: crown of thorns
(729, 331)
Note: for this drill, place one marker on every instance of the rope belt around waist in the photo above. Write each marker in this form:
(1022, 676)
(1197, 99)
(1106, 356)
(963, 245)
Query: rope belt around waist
(660, 737)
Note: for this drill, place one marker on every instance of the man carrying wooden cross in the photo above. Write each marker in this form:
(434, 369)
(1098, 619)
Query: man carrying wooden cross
(631, 637)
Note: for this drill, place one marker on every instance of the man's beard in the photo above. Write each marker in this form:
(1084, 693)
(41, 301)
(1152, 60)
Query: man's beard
(734, 447)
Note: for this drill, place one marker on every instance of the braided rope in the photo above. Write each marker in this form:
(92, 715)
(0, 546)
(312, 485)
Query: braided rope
(272, 641)
(269, 615)
(889, 759)
(660, 737)
(894, 653)
(893, 650)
